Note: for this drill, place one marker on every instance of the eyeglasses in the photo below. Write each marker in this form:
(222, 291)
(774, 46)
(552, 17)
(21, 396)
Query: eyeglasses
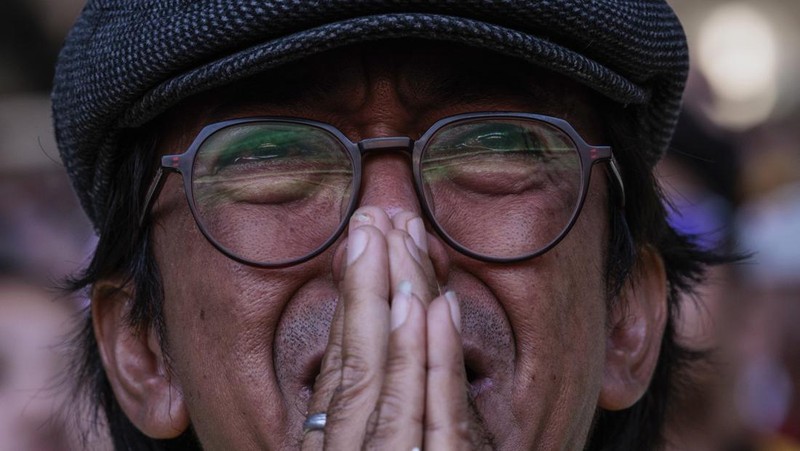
(273, 192)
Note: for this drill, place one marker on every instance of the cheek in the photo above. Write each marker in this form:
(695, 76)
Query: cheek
(559, 299)
(221, 318)
(559, 334)
(556, 305)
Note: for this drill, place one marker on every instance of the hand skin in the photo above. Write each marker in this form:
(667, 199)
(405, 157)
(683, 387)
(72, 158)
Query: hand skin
(243, 348)
(393, 375)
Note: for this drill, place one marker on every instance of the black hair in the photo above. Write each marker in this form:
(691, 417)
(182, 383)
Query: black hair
(124, 251)
(645, 223)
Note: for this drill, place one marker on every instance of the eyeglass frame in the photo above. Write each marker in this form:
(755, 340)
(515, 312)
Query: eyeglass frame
(356, 151)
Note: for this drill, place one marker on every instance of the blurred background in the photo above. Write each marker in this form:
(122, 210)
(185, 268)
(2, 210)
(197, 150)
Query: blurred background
(43, 237)
(733, 177)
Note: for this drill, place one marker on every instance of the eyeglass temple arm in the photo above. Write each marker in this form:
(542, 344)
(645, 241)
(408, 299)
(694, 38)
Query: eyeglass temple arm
(606, 154)
(152, 193)
(614, 167)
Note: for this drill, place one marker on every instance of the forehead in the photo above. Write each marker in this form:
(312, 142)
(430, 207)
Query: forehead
(412, 80)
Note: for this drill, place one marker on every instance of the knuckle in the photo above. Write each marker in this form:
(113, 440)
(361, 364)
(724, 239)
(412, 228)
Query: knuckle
(332, 360)
(356, 371)
(328, 377)
(394, 403)
(355, 291)
(396, 414)
(330, 369)
(379, 429)
(357, 377)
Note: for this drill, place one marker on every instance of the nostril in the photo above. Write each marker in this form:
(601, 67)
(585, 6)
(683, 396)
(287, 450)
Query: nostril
(471, 374)
(477, 381)
(311, 374)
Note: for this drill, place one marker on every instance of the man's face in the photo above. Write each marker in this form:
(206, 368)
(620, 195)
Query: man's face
(245, 344)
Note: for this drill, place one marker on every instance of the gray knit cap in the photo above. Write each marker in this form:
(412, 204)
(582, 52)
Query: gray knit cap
(126, 61)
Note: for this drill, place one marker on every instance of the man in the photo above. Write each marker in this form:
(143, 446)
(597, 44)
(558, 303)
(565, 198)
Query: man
(377, 224)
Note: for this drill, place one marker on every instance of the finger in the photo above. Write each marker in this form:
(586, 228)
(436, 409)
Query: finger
(412, 224)
(448, 420)
(372, 265)
(328, 379)
(374, 216)
(397, 421)
(365, 332)
(405, 266)
(408, 257)
(436, 264)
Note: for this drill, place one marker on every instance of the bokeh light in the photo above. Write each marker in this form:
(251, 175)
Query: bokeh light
(738, 52)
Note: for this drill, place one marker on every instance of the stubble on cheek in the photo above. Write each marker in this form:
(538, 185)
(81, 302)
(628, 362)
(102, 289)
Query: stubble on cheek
(300, 340)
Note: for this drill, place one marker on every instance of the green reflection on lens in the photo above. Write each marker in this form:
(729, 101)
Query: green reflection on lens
(503, 187)
(271, 191)
(267, 164)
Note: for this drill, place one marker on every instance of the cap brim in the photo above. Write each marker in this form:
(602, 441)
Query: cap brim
(293, 47)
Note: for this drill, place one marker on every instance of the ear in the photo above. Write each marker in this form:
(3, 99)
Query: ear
(636, 328)
(135, 365)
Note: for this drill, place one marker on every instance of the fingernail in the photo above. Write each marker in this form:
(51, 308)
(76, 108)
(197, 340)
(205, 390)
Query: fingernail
(404, 287)
(413, 249)
(356, 243)
(401, 305)
(455, 310)
(358, 219)
(416, 228)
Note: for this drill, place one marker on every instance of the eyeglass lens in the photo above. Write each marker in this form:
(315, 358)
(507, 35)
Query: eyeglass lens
(270, 192)
(501, 187)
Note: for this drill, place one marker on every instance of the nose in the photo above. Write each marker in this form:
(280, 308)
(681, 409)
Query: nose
(387, 183)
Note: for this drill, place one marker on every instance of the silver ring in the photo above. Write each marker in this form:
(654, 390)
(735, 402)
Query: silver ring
(315, 422)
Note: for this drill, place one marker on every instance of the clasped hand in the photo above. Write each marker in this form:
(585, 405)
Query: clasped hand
(393, 375)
